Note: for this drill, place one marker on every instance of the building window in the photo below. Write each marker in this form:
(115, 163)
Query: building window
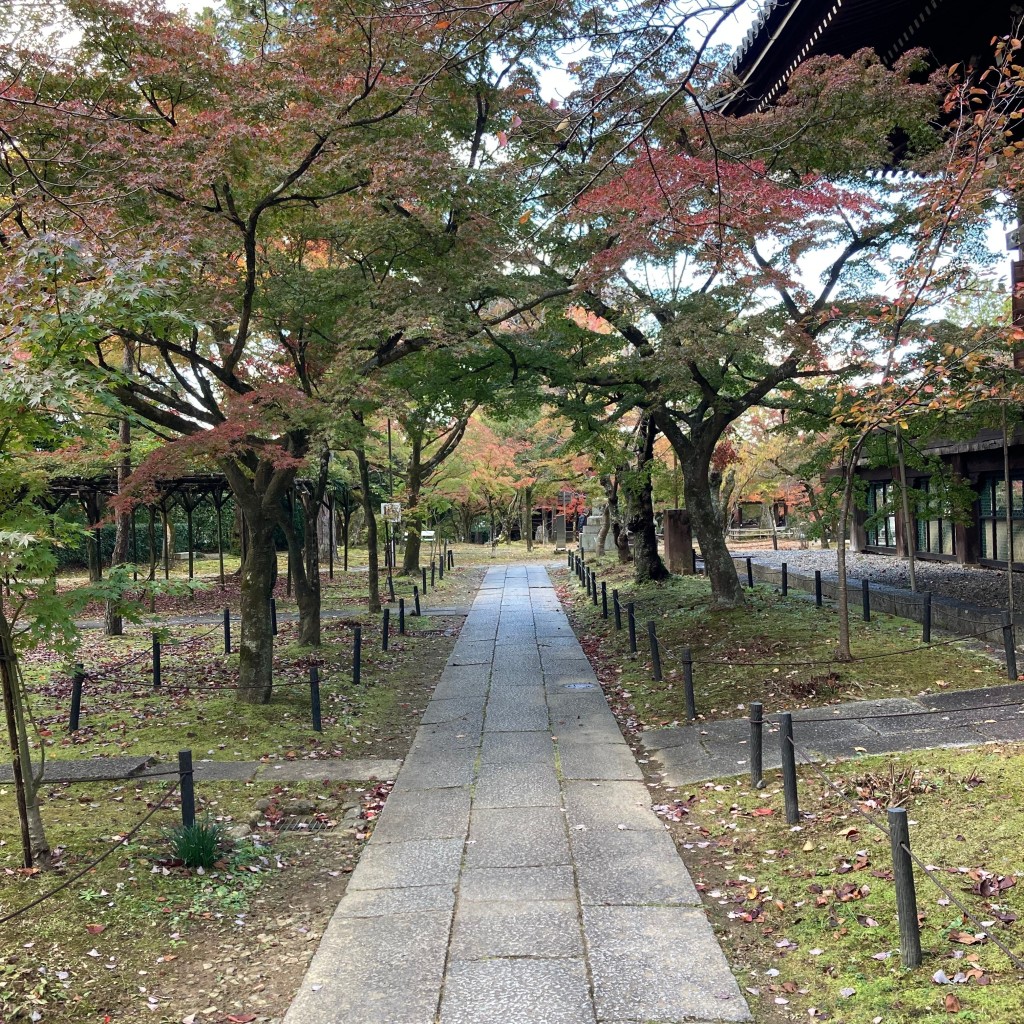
(994, 543)
(934, 525)
(881, 523)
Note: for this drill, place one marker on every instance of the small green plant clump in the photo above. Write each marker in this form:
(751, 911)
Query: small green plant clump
(197, 845)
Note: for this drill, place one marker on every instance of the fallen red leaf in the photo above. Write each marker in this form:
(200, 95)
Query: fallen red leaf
(95, 929)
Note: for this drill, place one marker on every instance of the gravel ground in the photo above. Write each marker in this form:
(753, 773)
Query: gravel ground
(973, 585)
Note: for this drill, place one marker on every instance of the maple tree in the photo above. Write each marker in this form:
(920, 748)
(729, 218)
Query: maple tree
(693, 246)
(298, 176)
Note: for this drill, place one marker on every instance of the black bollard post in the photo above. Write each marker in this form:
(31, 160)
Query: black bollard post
(604, 600)
(423, 574)
(186, 787)
(691, 700)
(156, 662)
(568, 556)
(273, 616)
(750, 573)
(926, 619)
(401, 616)
(817, 587)
(693, 560)
(385, 629)
(593, 588)
(433, 570)
(865, 599)
(440, 568)
(789, 769)
(652, 636)
(416, 602)
(618, 609)
(391, 588)
(785, 579)
(906, 897)
(451, 559)
(631, 619)
(357, 655)
(227, 630)
(1009, 647)
(76, 697)
(314, 697)
(757, 744)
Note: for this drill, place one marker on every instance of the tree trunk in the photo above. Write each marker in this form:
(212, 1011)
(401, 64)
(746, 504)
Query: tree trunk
(622, 544)
(843, 603)
(36, 847)
(707, 525)
(909, 540)
(256, 650)
(413, 528)
(124, 522)
(527, 517)
(647, 564)
(371, 532)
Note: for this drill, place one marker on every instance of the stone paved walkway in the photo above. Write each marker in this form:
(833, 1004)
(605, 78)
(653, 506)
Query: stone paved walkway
(711, 750)
(518, 874)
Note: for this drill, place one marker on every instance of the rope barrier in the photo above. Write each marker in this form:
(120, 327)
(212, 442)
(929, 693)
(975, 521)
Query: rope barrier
(97, 860)
(929, 873)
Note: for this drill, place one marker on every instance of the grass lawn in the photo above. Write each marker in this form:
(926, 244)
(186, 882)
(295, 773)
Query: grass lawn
(807, 914)
(776, 633)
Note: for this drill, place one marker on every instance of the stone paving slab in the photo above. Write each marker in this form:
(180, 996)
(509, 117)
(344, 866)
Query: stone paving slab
(630, 868)
(520, 840)
(426, 814)
(409, 947)
(91, 769)
(718, 749)
(518, 785)
(510, 837)
(401, 865)
(659, 963)
(489, 885)
(519, 928)
(578, 760)
(517, 992)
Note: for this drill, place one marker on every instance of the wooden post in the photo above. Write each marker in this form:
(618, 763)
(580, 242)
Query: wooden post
(186, 787)
(789, 769)
(757, 744)
(314, 697)
(227, 630)
(357, 655)
(691, 700)
(652, 636)
(817, 587)
(631, 619)
(77, 679)
(906, 897)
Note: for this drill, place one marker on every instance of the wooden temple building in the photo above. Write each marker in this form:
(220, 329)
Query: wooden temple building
(788, 32)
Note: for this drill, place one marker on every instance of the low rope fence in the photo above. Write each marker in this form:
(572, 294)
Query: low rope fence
(115, 674)
(903, 857)
(92, 864)
(599, 595)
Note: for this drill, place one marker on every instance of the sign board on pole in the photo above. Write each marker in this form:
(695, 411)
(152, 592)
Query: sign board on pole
(391, 511)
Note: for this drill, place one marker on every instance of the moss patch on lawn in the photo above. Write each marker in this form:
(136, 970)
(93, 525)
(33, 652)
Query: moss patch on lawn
(807, 914)
(759, 652)
(140, 937)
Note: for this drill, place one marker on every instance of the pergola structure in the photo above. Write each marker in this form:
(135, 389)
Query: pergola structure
(788, 32)
(187, 493)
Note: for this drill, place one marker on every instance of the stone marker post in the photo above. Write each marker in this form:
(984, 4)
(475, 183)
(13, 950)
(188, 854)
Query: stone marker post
(678, 541)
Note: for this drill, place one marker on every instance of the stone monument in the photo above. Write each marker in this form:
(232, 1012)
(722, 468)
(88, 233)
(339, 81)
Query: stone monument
(678, 541)
(591, 531)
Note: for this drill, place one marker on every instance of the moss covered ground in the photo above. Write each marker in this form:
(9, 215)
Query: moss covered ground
(790, 642)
